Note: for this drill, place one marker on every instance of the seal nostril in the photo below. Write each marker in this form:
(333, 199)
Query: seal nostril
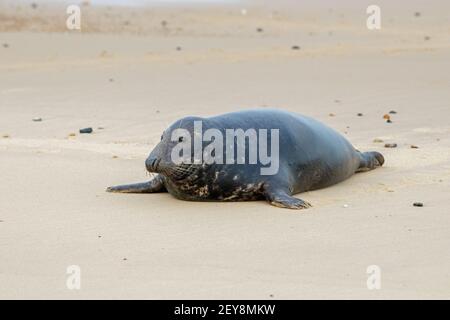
(157, 163)
(150, 164)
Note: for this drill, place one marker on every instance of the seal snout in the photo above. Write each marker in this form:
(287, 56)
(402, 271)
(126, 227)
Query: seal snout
(152, 164)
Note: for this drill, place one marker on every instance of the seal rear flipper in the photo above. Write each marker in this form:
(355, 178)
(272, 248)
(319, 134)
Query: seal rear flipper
(281, 199)
(153, 186)
(370, 161)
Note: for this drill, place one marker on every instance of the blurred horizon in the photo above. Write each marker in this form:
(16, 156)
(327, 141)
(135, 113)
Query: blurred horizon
(124, 3)
(348, 4)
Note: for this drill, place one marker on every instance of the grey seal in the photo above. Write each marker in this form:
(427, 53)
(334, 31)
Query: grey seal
(310, 156)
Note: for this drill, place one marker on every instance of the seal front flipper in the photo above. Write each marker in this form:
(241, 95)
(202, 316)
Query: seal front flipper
(282, 199)
(153, 186)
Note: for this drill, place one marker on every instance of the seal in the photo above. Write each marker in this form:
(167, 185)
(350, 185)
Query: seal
(305, 155)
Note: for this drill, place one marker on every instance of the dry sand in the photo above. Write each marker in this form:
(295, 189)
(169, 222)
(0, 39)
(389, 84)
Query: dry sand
(124, 73)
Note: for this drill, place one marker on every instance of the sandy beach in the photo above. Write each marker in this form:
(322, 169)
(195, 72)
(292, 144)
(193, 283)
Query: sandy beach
(130, 72)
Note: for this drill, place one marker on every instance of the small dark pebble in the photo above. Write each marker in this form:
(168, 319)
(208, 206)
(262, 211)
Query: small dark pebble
(111, 80)
(413, 146)
(157, 111)
(260, 30)
(271, 295)
(388, 121)
(124, 259)
(295, 48)
(178, 48)
(5, 45)
(34, 5)
(359, 114)
(426, 38)
(393, 112)
(417, 14)
(37, 119)
(418, 204)
(164, 23)
(390, 145)
(86, 130)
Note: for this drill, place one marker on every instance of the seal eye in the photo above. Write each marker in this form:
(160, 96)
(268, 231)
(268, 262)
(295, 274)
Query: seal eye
(180, 139)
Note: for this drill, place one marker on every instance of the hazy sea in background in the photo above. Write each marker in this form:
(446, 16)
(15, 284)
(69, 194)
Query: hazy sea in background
(352, 4)
(126, 3)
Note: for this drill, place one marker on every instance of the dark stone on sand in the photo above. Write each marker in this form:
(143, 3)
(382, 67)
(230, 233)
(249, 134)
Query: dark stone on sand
(178, 48)
(418, 204)
(86, 130)
(5, 45)
(34, 5)
(359, 114)
(390, 145)
(393, 112)
(426, 38)
(260, 30)
(37, 119)
(417, 14)
(388, 121)
(295, 48)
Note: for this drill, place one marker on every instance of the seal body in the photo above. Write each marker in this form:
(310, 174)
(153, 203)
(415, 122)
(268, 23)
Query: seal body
(309, 155)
